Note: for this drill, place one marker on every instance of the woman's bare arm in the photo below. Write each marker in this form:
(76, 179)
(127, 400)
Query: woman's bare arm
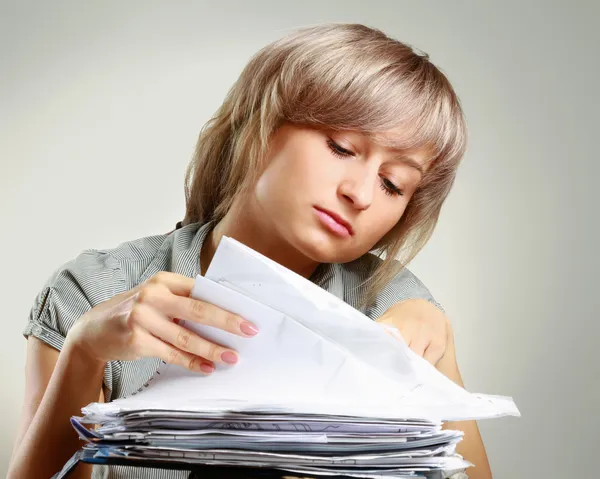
(471, 447)
(57, 386)
(428, 332)
(131, 325)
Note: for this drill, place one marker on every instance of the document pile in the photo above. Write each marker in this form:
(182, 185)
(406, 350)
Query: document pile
(321, 391)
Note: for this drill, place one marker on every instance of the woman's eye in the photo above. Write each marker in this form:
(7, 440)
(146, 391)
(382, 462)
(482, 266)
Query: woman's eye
(337, 150)
(390, 188)
(386, 185)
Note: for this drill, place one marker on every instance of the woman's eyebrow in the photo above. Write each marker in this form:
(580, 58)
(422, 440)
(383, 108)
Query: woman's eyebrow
(409, 161)
(402, 157)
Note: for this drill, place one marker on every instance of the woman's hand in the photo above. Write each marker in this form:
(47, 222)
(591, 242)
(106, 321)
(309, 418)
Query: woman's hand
(143, 322)
(423, 327)
(428, 333)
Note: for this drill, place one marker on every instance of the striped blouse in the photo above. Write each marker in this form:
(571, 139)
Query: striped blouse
(95, 276)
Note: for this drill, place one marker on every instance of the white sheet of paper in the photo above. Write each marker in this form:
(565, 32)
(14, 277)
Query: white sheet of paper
(314, 354)
(244, 270)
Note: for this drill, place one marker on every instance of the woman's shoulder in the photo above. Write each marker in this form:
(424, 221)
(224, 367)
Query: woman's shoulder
(100, 272)
(86, 280)
(363, 267)
(96, 275)
(404, 285)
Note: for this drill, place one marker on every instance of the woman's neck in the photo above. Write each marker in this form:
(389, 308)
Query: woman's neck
(259, 239)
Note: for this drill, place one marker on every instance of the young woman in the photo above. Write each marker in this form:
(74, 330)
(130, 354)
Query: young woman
(336, 143)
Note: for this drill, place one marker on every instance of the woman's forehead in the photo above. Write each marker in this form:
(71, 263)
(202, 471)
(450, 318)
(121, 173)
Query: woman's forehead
(400, 142)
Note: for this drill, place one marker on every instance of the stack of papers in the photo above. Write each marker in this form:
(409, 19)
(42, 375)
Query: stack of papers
(306, 445)
(322, 390)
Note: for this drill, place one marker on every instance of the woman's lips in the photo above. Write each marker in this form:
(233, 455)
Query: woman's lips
(333, 224)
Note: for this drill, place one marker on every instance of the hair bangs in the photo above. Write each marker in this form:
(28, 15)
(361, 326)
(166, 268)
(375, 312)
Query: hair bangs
(400, 101)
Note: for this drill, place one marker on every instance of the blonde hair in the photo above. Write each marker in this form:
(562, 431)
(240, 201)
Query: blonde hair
(343, 77)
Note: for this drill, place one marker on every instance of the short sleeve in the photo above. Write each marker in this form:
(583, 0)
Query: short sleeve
(73, 289)
(405, 285)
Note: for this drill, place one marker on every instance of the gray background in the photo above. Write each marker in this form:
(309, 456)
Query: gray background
(101, 102)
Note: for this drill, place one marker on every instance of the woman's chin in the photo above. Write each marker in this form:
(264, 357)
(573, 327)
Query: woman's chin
(324, 248)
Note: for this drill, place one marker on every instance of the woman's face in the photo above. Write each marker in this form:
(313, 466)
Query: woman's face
(333, 195)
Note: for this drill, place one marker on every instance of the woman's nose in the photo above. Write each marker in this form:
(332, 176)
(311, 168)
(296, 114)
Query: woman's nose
(358, 190)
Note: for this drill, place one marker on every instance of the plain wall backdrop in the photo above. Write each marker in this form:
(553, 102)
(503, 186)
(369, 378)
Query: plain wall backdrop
(101, 103)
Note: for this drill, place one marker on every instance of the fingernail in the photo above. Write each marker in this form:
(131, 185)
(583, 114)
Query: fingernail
(207, 368)
(248, 329)
(229, 357)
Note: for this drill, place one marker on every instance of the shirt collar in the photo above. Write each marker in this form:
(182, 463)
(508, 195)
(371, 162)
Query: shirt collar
(180, 253)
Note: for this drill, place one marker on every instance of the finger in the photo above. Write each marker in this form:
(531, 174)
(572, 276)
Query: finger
(211, 315)
(174, 306)
(392, 331)
(433, 353)
(151, 346)
(408, 331)
(160, 326)
(176, 283)
(419, 345)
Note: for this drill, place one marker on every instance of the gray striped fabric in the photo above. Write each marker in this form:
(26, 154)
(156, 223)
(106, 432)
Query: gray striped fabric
(97, 275)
